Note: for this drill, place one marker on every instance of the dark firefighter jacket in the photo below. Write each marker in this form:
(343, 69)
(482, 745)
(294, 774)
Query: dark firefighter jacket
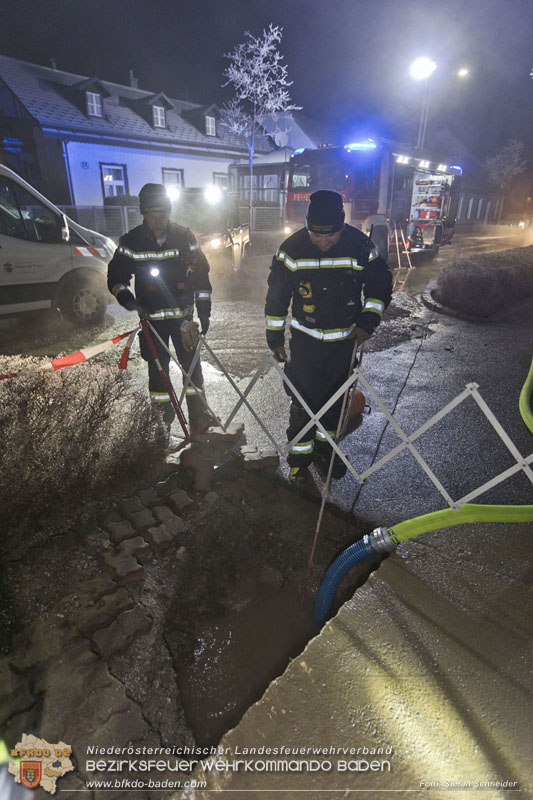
(169, 279)
(325, 288)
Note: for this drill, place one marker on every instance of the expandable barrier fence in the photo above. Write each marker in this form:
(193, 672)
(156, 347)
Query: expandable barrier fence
(470, 391)
(523, 463)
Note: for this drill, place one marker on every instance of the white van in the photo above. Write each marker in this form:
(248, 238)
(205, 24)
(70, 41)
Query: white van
(46, 259)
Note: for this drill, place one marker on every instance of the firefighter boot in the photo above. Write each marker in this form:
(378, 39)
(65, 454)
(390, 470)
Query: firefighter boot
(165, 412)
(321, 458)
(298, 477)
(199, 415)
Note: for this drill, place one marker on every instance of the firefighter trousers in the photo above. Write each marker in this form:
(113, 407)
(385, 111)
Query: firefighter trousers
(317, 369)
(170, 330)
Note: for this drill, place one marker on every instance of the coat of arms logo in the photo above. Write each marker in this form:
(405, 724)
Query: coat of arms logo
(31, 773)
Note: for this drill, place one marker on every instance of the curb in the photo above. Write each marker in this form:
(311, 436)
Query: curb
(434, 305)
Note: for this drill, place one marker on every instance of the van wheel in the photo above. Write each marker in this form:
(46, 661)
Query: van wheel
(83, 300)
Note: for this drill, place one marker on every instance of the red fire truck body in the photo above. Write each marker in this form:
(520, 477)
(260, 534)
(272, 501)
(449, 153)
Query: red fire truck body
(414, 193)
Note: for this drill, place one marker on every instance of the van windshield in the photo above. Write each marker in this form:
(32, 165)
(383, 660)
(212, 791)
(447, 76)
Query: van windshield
(24, 217)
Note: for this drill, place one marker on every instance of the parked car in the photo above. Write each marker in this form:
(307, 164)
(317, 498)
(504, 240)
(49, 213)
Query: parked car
(46, 259)
(214, 217)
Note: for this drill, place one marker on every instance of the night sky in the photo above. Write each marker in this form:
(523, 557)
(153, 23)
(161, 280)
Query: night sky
(348, 59)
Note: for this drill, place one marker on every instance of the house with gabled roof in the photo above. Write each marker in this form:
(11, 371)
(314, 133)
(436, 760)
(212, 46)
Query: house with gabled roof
(87, 142)
(82, 140)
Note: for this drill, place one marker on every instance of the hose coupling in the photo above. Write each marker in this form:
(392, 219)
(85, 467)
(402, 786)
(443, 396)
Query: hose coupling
(379, 541)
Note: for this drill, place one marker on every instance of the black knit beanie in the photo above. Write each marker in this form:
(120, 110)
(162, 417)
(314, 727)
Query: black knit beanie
(325, 213)
(154, 197)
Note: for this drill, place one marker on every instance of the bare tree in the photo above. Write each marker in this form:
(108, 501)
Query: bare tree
(503, 167)
(261, 88)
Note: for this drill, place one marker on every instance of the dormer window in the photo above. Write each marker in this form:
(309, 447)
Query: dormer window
(94, 104)
(158, 116)
(210, 126)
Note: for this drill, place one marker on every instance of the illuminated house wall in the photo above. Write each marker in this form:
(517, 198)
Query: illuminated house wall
(140, 166)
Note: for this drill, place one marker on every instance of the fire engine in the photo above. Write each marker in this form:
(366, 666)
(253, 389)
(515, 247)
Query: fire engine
(416, 194)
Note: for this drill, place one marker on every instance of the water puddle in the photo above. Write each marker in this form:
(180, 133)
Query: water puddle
(238, 654)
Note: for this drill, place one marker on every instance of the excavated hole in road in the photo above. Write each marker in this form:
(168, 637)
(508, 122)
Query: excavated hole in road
(239, 614)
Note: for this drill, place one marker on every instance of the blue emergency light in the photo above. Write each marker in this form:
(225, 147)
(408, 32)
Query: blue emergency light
(368, 145)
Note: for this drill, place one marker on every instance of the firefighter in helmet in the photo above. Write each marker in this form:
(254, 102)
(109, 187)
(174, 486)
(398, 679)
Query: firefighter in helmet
(171, 276)
(322, 271)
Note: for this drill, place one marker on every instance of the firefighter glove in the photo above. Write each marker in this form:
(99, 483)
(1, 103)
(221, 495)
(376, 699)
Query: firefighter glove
(279, 353)
(360, 334)
(189, 335)
(204, 323)
(128, 300)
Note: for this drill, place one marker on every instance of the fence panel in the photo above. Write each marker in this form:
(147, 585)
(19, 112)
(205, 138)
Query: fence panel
(265, 218)
(113, 221)
(110, 221)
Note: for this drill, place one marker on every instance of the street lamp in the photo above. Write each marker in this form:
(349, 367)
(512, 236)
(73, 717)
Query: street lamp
(421, 70)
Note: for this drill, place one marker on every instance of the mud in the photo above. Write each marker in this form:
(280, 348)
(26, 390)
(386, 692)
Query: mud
(229, 659)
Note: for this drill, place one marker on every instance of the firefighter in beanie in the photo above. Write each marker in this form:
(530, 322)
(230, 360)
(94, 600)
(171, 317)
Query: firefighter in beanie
(171, 276)
(337, 285)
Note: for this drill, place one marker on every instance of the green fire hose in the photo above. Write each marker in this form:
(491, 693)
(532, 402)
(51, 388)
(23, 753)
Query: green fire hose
(469, 512)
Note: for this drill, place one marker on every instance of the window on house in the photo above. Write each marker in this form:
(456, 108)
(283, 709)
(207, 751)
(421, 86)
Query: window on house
(460, 208)
(94, 104)
(158, 116)
(220, 179)
(172, 178)
(113, 179)
(469, 208)
(210, 126)
(479, 205)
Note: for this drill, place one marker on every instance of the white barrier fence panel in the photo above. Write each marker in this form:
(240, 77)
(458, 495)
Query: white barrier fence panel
(523, 463)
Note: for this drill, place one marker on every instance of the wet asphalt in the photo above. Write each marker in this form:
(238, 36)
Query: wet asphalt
(418, 378)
